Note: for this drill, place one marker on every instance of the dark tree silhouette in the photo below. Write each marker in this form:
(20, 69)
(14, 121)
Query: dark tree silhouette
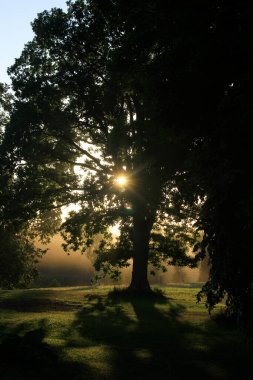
(223, 164)
(19, 255)
(103, 87)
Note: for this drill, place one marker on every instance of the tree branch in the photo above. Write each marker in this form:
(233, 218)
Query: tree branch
(83, 164)
(86, 153)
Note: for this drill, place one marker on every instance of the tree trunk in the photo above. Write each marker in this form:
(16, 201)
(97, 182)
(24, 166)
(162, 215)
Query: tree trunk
(141, 236)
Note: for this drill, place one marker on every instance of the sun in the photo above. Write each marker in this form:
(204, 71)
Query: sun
(115, 230)
(121, 180)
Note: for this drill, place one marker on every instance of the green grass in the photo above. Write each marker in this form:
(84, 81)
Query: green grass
(81, 333)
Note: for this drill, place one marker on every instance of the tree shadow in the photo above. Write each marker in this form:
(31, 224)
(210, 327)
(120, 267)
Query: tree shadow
(118, 338)
(148, 338)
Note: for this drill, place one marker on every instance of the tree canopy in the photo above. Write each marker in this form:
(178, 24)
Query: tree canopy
(222, 167)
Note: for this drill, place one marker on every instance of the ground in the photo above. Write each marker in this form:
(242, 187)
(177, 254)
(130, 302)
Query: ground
(81, 333)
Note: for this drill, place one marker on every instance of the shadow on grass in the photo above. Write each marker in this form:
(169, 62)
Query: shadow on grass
(124, 338)
(27, 357)
(144, 343)
(147, 339)
(39, 305)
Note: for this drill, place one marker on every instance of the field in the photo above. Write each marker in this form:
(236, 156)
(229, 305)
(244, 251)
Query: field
(81, 333)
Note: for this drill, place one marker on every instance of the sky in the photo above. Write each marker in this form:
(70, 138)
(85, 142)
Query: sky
(15, 28)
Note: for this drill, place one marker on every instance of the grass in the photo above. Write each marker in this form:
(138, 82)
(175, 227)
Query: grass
(82, 333)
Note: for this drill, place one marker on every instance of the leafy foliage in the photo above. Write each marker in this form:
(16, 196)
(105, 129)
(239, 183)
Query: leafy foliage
(18, 259)
(90, 94)
(223, 167)
(226, 216)
(19, 249)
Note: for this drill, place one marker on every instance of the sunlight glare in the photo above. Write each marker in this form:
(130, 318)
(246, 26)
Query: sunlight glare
(115, 230)
(121, 180)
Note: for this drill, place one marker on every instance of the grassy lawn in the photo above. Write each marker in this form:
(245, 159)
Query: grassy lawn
(81, 333)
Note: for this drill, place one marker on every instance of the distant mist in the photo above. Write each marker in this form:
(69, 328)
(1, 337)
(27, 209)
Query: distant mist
(57, 268)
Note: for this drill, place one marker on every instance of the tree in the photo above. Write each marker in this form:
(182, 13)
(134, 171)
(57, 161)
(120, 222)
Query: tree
(226, 216)
(222, 167)
(19, 252)
(18, 259)
(116, 89)
(19, 229)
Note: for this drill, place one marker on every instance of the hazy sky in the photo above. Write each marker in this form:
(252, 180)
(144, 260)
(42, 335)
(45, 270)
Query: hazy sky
(15, 29)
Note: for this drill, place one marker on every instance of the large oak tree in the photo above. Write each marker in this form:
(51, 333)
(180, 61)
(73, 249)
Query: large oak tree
(117, 89)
